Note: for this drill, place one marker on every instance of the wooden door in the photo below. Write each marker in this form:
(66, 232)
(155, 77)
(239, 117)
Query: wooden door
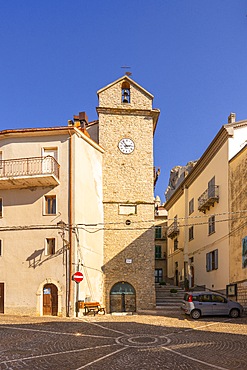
(1, 297)
(50, 300)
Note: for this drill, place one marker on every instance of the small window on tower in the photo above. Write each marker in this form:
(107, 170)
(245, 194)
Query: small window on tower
(125, 92)
(50, 246)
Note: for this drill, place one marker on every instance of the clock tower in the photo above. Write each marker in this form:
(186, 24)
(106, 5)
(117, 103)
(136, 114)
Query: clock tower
(127, 123)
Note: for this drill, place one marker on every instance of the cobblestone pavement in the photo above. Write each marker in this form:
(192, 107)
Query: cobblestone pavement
(152, 341)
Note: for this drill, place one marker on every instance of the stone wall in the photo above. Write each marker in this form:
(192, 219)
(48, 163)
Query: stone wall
(242, 295)
(128, 180)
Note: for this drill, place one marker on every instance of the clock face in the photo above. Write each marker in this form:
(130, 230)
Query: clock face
(126, 146)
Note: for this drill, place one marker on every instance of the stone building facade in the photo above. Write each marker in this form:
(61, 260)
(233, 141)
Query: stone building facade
(126, 126)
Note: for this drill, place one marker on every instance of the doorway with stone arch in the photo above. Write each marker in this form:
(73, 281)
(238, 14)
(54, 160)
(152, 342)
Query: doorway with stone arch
(50, 300)
(122, 298)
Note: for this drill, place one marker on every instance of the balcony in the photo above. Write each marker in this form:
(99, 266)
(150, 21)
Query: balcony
(173, 230)
(208, 198)
(30, 172)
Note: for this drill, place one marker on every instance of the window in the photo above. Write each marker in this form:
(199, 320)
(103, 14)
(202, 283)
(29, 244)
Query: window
(191, 206)
(158, 251)
(1, 247)
(50, 246)
(158, 275)
(48, 163)
(211, 225)
(175, 244)
(218, 299)
(127, 209)
(211, 188)
(205, 298)
(212, 260)
(50, 205)
(157, 232)
(191, 233)
(1, 207)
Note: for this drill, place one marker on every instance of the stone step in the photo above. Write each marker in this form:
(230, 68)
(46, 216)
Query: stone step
(166, 300)
(168, 304)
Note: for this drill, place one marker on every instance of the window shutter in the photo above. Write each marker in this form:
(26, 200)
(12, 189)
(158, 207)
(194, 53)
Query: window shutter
(208, 262)
(216, 258)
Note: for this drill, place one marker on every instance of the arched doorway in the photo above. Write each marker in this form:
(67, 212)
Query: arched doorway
(122, 298)
(50, 300)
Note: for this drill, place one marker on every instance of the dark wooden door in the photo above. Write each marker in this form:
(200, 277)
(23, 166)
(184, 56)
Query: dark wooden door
(176, 278)
(192, 275)
(1, 297)
(50, 301)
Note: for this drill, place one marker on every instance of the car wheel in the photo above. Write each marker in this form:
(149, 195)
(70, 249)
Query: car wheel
(195, 314)
(234, 313)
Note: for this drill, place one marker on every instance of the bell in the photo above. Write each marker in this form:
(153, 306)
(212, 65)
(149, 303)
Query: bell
(125, 96)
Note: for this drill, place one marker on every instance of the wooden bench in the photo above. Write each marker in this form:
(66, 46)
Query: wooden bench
(94, 307)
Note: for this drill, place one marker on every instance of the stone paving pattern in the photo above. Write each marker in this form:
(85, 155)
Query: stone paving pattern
(168, 340)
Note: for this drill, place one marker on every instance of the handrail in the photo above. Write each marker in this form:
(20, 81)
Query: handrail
(210, 193)
(31, 166)
(211, 290)
(173, 228)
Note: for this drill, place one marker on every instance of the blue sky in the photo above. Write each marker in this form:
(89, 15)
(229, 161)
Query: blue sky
(190, 54)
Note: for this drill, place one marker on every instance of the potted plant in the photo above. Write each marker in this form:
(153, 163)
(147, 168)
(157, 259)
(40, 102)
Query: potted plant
(173, 291)
(162, 283)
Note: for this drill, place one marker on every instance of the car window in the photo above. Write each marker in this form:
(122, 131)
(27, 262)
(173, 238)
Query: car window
(205, 298)
(218, 298)
(195, 298)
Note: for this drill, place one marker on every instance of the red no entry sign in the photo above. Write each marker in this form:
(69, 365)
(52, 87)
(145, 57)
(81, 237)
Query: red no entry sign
(77, 277)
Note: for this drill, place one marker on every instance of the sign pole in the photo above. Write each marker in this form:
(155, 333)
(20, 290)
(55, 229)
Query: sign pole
(77, 277)
(77, 297)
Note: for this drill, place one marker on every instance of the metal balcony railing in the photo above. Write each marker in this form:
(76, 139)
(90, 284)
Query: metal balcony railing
(13, 171)
(208, 198)
(173, 230)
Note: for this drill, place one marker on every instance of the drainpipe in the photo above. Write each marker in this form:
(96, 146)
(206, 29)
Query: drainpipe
(186, 236)
(70, 219)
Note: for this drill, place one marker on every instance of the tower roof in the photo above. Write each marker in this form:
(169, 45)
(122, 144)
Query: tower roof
(125, 78)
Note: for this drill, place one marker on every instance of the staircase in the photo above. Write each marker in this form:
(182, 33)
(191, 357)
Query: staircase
(166, 300)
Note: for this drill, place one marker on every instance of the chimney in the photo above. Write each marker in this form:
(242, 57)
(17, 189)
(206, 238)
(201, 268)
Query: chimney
(83, 119)
(232, 118)
(80, 121)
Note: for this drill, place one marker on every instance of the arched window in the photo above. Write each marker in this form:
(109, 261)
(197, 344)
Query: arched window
(125, 92)
(122, 287)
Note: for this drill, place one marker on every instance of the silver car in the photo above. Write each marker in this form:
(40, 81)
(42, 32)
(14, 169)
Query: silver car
(197, 304)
